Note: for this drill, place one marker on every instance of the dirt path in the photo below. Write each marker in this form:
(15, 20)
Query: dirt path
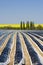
(26, 54)
(12, 54)
(4, 44)
(34, 45)
(41, 42)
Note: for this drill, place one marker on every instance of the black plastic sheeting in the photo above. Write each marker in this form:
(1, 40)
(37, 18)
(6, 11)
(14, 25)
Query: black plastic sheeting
(37, 36)
(1, 33)
(5, 54)
(33, 54)
(18, 55)
(3, 39)
(39, 33)
(40, 46)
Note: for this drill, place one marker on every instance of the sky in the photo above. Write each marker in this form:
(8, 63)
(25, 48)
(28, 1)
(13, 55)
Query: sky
(13, 11)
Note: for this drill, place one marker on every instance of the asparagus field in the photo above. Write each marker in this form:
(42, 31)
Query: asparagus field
(19, 47)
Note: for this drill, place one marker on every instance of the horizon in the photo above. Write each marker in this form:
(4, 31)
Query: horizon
(13, 11)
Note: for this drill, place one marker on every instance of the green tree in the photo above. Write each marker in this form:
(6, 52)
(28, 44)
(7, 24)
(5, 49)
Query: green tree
(21, 25)
(27, 25)
(32, 26)
(39, 27)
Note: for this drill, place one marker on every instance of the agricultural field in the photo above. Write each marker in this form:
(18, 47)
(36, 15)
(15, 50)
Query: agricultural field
(21, 47)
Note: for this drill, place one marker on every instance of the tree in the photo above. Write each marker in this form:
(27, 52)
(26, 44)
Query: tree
(32, 27)
(39, 27)
(21, 25)
(27, 25)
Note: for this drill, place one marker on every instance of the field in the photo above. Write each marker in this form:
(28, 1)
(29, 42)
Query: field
(21, 47)
(16, 25)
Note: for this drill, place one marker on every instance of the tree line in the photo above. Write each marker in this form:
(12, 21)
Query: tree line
(24, 26)
(30, 26)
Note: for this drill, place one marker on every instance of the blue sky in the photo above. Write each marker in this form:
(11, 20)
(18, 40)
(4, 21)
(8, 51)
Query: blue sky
(13, 11)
